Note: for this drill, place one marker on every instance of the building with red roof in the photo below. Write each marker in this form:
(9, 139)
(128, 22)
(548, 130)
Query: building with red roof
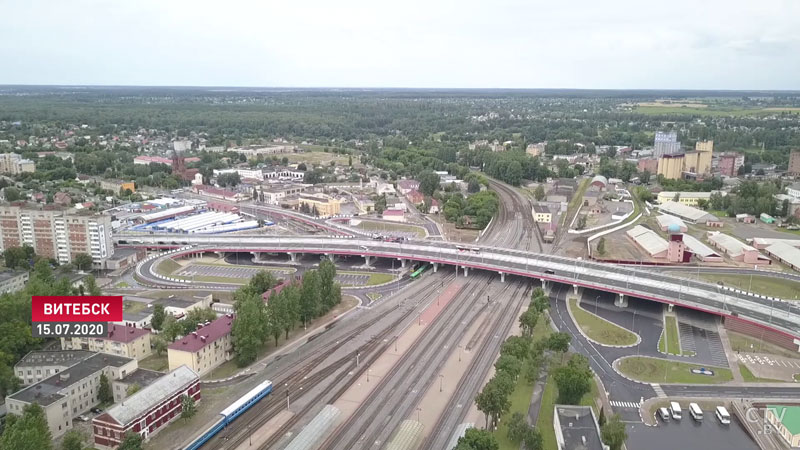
(205, 348)
(415, 196)
(122, 340)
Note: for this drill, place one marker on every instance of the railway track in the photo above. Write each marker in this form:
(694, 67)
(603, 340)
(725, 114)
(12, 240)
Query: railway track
(473, 378)
(362, 429)
(514, 226)
(304, 379)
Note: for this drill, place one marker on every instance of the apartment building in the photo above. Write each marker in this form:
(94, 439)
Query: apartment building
(57, 234)
(326, 206)
(13, 280)
(38, 365)
(794, 163)
(12, 163)
(72, 391)
(122, 340)
(210, 345)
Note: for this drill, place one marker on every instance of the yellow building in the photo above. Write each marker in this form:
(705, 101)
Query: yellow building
(542, 214)
(686, 198)
(699, 161)
(326, 206)
(122, 340)
(671, 166)
(205, 348)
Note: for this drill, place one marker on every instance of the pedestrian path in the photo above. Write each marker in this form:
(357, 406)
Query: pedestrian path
(659, 392)
(619, 404)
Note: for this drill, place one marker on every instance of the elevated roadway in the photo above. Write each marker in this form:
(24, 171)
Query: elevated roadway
(770, 313)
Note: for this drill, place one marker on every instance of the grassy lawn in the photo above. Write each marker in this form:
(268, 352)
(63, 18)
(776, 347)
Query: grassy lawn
(773, 287)
(155, 362)
(711, 111)
(216, 279)
(744, 343)
(167, 267)
(520, 402)
(797, 377)
(576, 202)
(748, 376)
(318, 156)
(374, 278)
(654, 370)
(600, 329)
(384, 226)
(672, 343)
(133, 307)
(374, 295)
(122, 284)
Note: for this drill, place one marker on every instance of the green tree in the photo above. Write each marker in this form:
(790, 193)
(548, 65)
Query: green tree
(263, 281)
(601, 246)
(573, 380)
(528, 320)
(104, 392)
(428, 182)
(158, 317)
(248, 328)
(581, 222)
(558, 342)
(90, 286)
(309, 296)
(82, 261)
(74, 439)
(475, 439)
(516, 346)
(159, 344)
(43, 271)
(509, 364)
(517, 427)
(539, 193)
(131, 441)
(473, 186)
(613, 432)
(188, 408)
(493, 400)
(12, 194)
(533, 440)
(16, 258)
(644, 176)
(171, 328)
(327, 284)
(28, 431)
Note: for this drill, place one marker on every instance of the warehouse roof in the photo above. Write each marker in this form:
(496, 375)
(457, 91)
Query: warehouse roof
(686, 212)
(144, 400)
(760, 242)
(648, 239)
(729, 244)
(665, 220)
(697, 247)
(786, 253)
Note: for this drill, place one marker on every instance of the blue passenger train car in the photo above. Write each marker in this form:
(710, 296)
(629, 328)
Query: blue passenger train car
(233, 411)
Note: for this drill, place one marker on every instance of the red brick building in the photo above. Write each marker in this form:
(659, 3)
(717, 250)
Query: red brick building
(148, 410)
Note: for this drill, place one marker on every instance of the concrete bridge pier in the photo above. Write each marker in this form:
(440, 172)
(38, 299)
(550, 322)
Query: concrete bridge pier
(502, 277)
(670, 307)
(621, 301)
(220, 254)
(368, 260)
(293, 257)
(466, 270)
(331, 257)
(402, 262)
(546, 286)
(435, 267)
(578, 291)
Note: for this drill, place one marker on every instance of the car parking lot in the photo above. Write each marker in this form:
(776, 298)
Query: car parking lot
(689, 434)
(350, 279)
(769, 366)
(226, 271)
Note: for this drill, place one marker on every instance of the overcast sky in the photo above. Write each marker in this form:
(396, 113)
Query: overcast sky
(679, 44)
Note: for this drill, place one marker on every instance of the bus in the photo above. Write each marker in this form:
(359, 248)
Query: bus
(696, 412)
(723, 416)
(675, 409)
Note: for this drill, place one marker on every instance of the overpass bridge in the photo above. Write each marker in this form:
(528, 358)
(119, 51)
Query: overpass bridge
(769, 313)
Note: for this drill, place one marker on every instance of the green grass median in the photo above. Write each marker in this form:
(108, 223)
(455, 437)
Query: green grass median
(655, 370)
(599, 329)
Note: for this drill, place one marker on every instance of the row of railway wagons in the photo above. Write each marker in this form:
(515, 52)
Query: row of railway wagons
(233, 411)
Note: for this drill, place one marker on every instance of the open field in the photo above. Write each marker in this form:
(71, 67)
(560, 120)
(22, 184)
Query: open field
(167, 267)
(374, 278)
(670, 337)
(744, 343)
(155, 362)
(773, 287)
(600, 329)
(654, 370)
(386, 226)
(133, 307)
(748, 376)
(712, 111)
(317, 156)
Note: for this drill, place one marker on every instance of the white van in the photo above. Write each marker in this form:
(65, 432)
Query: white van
(723, 416)
(664, 414)
(696, 412)
(675, 409)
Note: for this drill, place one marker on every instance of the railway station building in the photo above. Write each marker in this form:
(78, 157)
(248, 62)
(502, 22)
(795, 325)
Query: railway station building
(147, 411)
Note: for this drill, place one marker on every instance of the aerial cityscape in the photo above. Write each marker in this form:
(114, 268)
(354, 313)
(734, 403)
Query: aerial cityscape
(407, 259)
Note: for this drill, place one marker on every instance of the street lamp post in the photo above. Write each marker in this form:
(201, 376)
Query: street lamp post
(441, 381)
(460, 349)
(286, 385)
(595, 304)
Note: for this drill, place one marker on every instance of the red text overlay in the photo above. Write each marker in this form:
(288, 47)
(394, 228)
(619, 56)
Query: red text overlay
(77, 309)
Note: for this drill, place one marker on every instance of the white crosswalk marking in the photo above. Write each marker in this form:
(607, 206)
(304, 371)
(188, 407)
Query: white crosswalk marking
(659, 392)
(620, 404)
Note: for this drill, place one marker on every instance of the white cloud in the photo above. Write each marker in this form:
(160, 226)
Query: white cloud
(503, 43)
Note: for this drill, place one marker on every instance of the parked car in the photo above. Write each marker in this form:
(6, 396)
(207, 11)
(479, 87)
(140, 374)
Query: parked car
(82, 418)
(96, 410)
(664, 414)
